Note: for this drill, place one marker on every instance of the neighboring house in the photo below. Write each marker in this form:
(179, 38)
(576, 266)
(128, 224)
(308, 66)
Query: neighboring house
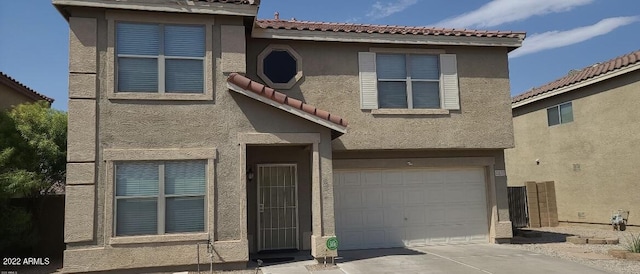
(175, 140)
(581, 131)
(13, 93)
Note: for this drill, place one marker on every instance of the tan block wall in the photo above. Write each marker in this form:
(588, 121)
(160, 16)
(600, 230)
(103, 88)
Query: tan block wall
(331, 81)
(601, 141)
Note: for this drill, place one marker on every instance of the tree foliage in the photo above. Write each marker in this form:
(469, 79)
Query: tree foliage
(33, 148)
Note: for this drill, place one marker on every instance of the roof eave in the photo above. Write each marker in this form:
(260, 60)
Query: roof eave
(6, 80)
(193, 7)
(384, 38)
(565, 89)
(334, 127)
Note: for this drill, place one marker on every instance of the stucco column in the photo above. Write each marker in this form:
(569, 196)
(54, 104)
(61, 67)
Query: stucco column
(81, 144)
(321, 205)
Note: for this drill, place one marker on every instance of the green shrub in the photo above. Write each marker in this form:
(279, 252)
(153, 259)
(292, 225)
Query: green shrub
(633, 243)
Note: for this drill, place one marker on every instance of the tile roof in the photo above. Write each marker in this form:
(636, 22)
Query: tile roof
(584, 74)
(281, 98)
(382, 29)
(23, 89)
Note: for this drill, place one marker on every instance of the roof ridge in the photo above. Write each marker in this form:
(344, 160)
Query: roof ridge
(270, 23)
(24, 88)
(579, 75)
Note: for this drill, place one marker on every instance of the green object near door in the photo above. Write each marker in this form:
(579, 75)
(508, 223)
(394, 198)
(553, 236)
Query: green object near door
(332, 243)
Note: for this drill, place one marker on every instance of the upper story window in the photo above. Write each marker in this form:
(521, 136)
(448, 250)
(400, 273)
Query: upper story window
(280, 66)
(159, 197)
(560, 114)
(159, 58)
(408, 81)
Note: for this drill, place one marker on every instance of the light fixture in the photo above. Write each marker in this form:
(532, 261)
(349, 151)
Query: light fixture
(249, 174)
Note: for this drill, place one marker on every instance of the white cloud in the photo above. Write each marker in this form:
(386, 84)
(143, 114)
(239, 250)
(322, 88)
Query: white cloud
(557, 39)
(498, 12)
(352, 20)
(381, 10)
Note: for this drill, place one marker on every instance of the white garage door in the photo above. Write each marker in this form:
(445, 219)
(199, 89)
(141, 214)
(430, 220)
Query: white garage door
(398, 208)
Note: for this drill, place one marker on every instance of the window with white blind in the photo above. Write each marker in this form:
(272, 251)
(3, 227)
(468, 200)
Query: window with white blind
(160, 58)
(408, 81)
(160, 197)
(390, 80)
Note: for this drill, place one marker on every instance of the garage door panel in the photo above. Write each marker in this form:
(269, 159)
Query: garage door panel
(352, 239)
(393, 197)
(414, 178)
(392, 178)
(395, 208)
(352, 219)
(415, 216)
(436, 214)
(374, 238)
(372, 198)
(395, 237)
(372, 178)
(415, 196)
(435, 193)
(374, 218)
(350, 179)
(351, 198)
(393, 217)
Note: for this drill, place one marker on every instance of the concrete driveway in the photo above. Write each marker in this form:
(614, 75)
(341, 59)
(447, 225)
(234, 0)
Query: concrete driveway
(467, 259)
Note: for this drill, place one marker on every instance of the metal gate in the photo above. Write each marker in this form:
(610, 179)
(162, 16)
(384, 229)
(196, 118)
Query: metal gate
(518, 211)
(277, 207)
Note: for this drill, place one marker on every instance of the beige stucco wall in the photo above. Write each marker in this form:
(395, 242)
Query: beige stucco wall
(162, 124)
(602, 140)
(10, 98)
(330, 81)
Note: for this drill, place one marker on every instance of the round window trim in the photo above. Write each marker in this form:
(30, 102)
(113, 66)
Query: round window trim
(268, 50)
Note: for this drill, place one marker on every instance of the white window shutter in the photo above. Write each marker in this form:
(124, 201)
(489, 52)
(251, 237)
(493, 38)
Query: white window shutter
(368, 80)
(449, 81)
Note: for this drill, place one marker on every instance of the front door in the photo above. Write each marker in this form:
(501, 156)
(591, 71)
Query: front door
(277, 207)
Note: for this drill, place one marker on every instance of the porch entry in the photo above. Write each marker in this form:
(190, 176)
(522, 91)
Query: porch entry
(277, 207)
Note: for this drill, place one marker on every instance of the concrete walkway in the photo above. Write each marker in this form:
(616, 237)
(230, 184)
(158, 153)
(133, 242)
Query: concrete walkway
(480, 259)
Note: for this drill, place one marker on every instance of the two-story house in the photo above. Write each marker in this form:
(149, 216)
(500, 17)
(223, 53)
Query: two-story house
(194, 122)
(581, 131)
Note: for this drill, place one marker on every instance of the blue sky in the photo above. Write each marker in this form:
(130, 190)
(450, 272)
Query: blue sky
(562, 34)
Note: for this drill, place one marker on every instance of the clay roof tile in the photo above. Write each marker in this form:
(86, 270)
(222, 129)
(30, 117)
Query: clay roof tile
(281, 98)
(586, 73)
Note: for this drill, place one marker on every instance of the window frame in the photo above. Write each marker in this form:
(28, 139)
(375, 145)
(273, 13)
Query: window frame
(279, 47)
(409, 80)
(557, 109)
(161, 59)
(161, 198)
(115, 16)
(113, 156)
